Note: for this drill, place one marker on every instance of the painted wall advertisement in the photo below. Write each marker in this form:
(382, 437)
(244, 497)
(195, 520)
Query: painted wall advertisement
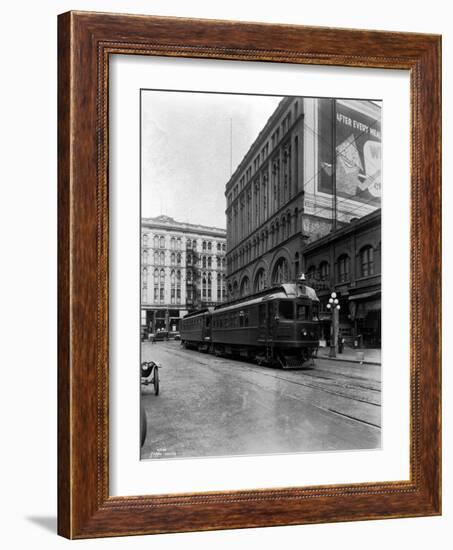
(358, 149)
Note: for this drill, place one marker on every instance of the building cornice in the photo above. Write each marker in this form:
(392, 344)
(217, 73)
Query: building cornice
(169, 224)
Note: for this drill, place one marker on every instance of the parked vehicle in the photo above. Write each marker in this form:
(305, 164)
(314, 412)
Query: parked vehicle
(150, 374)
(159, 336)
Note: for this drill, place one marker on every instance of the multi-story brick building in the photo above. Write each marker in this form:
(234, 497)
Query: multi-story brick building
(348, 261)
(183, 269)
(289, 191)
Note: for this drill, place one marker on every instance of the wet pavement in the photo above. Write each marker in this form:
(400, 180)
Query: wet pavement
(216, 406)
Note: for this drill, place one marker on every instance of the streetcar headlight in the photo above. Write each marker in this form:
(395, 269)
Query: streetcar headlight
(304, 332)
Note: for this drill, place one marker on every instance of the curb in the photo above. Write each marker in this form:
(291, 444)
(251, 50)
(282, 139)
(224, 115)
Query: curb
(341, 360)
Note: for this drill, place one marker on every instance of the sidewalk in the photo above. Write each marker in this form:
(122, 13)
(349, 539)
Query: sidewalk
(367, 356)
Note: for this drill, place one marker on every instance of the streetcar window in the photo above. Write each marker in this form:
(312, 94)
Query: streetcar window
(315, 312)
(246, 319)
(306, 313)
(302, 312)
(285, 309)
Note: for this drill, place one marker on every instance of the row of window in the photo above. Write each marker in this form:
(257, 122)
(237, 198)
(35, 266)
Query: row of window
(176, 259)
(281, 273)
(206, 245)
(207, 261)
(232, 320)
(278, 231)
(366, 267)
(159, 241)
(268, 194)
(262, 156)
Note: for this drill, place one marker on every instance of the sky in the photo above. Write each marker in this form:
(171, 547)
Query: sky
(186, 150)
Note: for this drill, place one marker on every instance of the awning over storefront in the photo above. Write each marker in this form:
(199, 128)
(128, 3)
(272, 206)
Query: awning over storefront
(360, 305)
(365, 295)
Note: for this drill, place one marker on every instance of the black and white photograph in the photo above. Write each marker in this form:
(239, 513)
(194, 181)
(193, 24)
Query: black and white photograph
(260, 250)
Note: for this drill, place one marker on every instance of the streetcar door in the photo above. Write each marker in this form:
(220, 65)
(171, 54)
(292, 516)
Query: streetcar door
(270, 320)
(262, 323)
(208, 326)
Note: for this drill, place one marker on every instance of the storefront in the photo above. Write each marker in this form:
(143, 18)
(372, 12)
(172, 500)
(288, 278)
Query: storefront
(365, 313)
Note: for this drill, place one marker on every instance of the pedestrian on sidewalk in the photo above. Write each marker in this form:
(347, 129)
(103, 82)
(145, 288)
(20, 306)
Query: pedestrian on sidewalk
(340, 343)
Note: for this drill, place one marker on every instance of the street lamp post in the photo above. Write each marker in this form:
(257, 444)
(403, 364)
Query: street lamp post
(334, 307)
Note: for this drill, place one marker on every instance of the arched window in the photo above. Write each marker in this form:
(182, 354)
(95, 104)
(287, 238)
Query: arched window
(343, 268)
(156, 241)
(209, 245)
(156, 258)
(204, 262)
(219, 288)
(194, 244)
(172, 288)
(178, 258)
(172, 258)
(145, 238)
(162, 242)
(162, 286)
(145, 257)
(209, 286)
(189, 276)
(178, 243)
(178, 286)
(156, 285)
(281, 272)
(162, 258)
(367, 261)
(311, 273)
(245, 284)
(172, 243)
(259, 283)
(189, 259)
(324, 271)
(296, 265)
(235, 288)
(209, 261)
(204, 245)
(204, 285)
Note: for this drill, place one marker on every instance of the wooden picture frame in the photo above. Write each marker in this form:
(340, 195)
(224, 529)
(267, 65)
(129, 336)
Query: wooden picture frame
(85, 42)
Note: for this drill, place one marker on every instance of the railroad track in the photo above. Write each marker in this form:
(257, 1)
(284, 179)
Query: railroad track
(339, 385)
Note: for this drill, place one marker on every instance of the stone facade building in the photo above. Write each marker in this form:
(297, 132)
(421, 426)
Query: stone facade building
(183, 269)
(285, 194)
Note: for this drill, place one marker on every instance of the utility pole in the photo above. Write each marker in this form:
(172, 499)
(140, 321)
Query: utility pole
(334, 164)
(231, 147)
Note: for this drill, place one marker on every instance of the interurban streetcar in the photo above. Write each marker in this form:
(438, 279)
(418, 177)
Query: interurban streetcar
(278, 326)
